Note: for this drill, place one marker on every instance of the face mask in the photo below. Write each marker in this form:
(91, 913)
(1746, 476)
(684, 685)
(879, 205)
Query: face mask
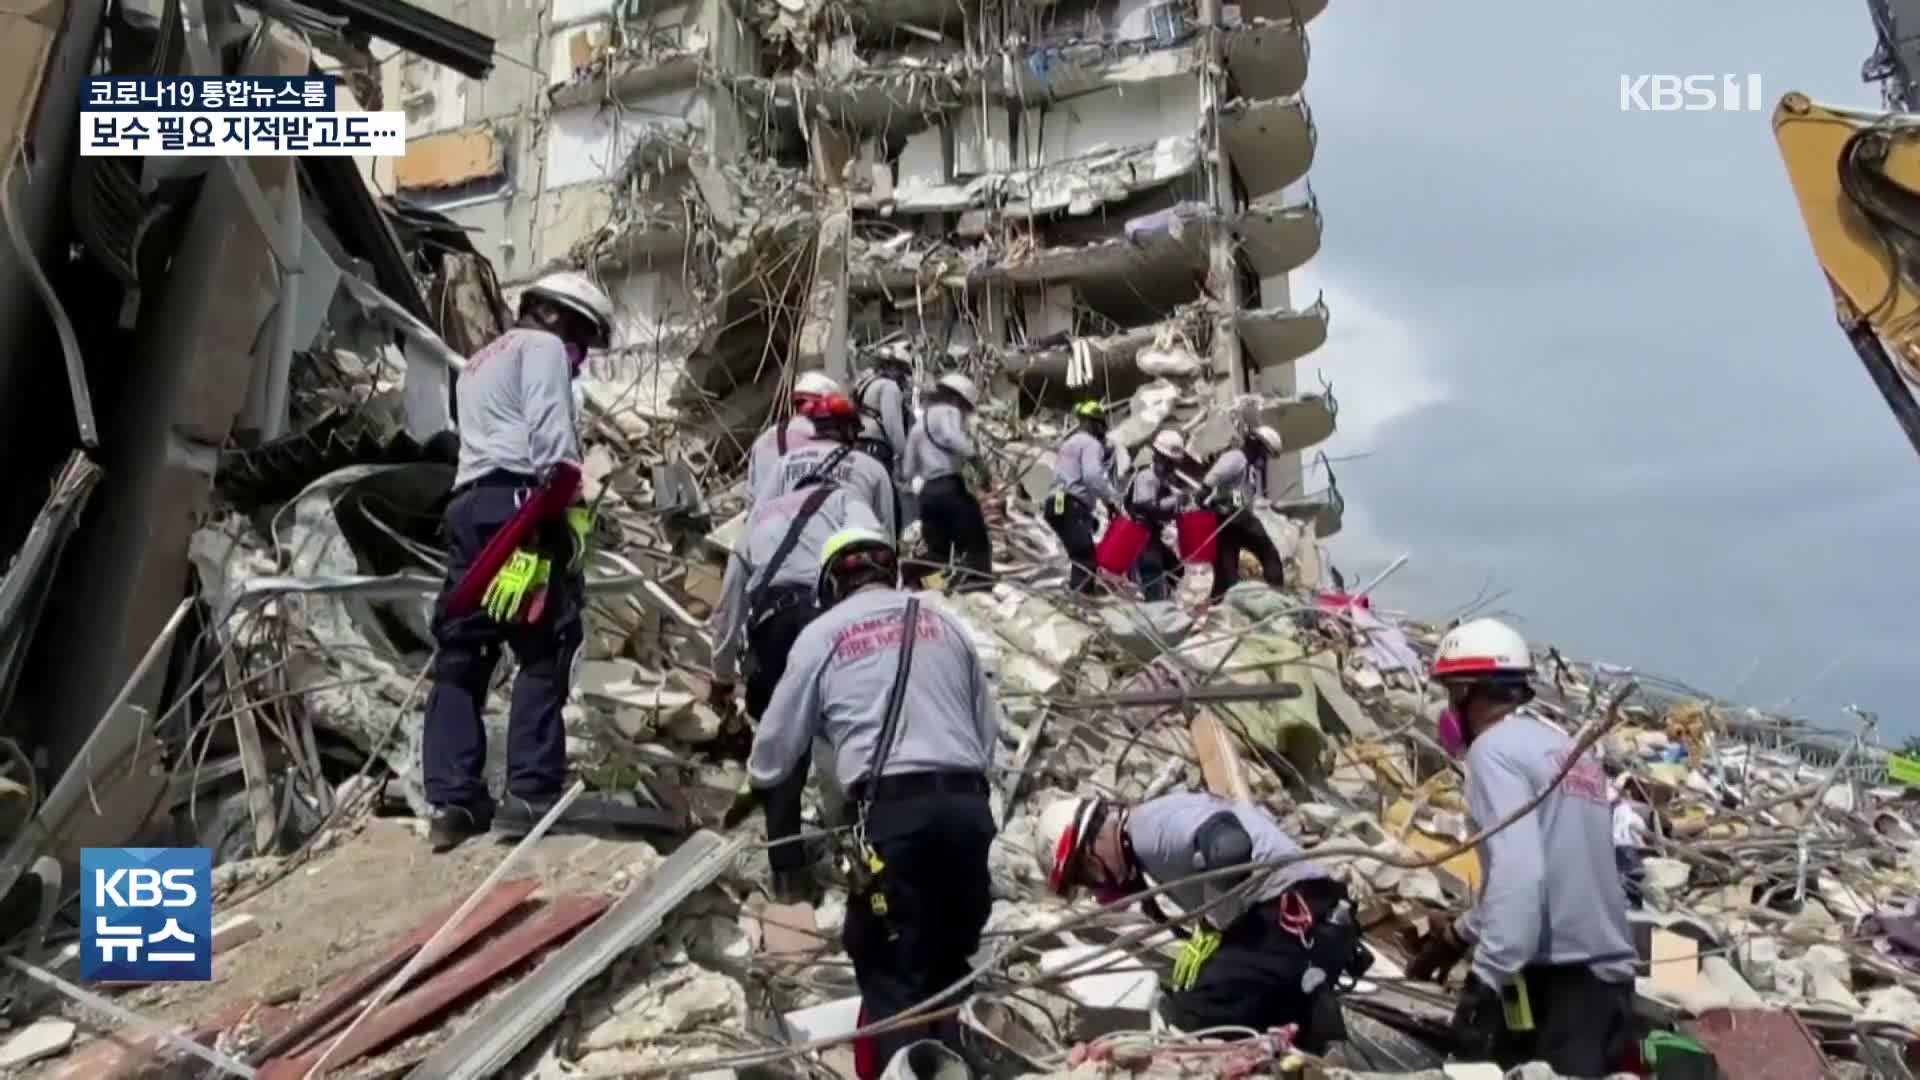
(576, 355)
(1452, 732)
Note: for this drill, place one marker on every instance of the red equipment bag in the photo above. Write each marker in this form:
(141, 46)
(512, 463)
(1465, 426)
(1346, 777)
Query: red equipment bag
(1120, 546)
(1196, 532)
(866, 1052)
(548, 502)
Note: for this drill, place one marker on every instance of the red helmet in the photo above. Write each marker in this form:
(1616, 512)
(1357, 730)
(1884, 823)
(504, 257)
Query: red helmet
(828, 407)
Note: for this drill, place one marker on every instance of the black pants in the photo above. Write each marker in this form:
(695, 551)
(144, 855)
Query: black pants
(1259, 976)
(1582, 1025)
(770, 638)
(454, 743)
(1632, 864)
(1243, 532)
(1158, 570)
(1076, 526)
(956, 532)
(937, 901)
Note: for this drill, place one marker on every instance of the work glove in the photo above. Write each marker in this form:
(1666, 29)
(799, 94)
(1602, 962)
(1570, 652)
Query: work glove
(1477, 1023)
(518, 589)
(1439, 952)
(720, 697)
(580, 532)
(745, 802)
(1193, 956)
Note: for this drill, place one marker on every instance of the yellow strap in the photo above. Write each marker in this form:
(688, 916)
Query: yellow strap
(1517, 1006)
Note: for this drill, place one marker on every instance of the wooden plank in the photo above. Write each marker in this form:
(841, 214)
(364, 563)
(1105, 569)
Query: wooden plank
(1219, 761)
(327, 1015)
(1673, 963)
(448, 160)
(552, 923)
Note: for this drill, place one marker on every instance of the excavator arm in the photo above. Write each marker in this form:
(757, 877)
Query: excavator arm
(1856, 175)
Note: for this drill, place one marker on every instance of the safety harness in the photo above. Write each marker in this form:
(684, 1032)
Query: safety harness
(756, 596)
(864, 875)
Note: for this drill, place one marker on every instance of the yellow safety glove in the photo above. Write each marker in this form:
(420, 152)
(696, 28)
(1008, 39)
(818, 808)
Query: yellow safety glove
(580, 524)
(1194, 956)
(523, 575)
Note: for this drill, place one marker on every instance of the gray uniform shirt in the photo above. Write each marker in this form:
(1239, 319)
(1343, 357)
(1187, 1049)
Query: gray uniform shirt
(863, 477)
(1550, 892)
(763, 459)
(1162, 831)
(1081, 469)
(1234, 474)
(836, 684)
(766, 528)
(516, 407)
(882, 395)
(940, 445)
(1152, 496)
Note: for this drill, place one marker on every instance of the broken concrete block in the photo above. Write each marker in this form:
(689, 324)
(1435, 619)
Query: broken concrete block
(926, 1060)
(832, 1020)
(696, 725)
(718, 943)
(1149, 629)
(1893, 1005)
(673, 1000)
(41, 1039)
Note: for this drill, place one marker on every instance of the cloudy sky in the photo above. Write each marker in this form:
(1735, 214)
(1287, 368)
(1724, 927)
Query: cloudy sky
(1586, 357)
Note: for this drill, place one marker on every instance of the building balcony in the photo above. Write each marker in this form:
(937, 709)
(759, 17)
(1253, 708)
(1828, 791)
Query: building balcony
(1303, 420)
(1276, 337)
(1270, 142)
(1268, 58)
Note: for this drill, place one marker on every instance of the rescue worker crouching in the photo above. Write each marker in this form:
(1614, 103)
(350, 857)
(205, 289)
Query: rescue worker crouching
(1080, 482)
(886, 414)
(790, 432)
(833, 454)
(516, 425)
(1272, 957)
(1152, 500)
(1237, 478)
(1552, 971)
(902, 697)
(942, 460)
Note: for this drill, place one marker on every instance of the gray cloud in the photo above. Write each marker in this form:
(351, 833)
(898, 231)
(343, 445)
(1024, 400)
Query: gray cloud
(1654, 436)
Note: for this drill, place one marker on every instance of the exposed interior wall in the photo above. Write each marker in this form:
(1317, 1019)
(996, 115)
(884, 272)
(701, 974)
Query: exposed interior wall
(1109, 120)
(650, 305)
(590, 143)
(573, 44)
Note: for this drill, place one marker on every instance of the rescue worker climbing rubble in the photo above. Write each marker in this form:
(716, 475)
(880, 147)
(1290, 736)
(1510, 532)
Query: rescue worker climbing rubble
(1237, 478)
(886, 410)
(516, 426)
(902, 697)
(791, 431)
(1081, 481)
(832, 454)
(1152, 500)
(769, 593)
(1273, 956)
(943, 466)
(1552, 972)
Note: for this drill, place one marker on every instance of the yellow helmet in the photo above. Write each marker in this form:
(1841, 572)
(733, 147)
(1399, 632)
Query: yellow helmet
(850, 549)
(1090, 410)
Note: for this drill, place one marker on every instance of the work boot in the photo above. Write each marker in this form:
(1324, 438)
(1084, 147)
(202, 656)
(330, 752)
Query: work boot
(517, 816)
(450, 825)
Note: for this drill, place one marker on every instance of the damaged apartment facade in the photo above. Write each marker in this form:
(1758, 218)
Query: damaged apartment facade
(1070, 199)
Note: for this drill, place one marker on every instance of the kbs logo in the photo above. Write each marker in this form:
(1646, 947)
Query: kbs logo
(146, 914)
(1690, 93)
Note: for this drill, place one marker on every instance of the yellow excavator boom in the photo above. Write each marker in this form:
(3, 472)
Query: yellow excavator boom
(1856, 175)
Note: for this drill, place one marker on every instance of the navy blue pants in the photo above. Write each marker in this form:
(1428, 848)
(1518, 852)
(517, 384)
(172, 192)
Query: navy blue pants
(454, 745)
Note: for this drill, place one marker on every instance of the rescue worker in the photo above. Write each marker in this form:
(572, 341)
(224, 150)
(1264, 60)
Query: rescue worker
(1266, 959)
(769, 593)
(1552, 971)
(1080, 482)
(1152, 500)
(941, 463)
(832, 454)
(763, 458)
(516, 424)
(1237, 478)
(912, 734)
(886, 413)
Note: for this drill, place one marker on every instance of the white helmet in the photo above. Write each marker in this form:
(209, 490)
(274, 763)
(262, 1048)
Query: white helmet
(817, 384)
(1169, 444)
(961, 385)
(1065, 827)
(1481, 648)
(580, 296)
(1268, 436)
